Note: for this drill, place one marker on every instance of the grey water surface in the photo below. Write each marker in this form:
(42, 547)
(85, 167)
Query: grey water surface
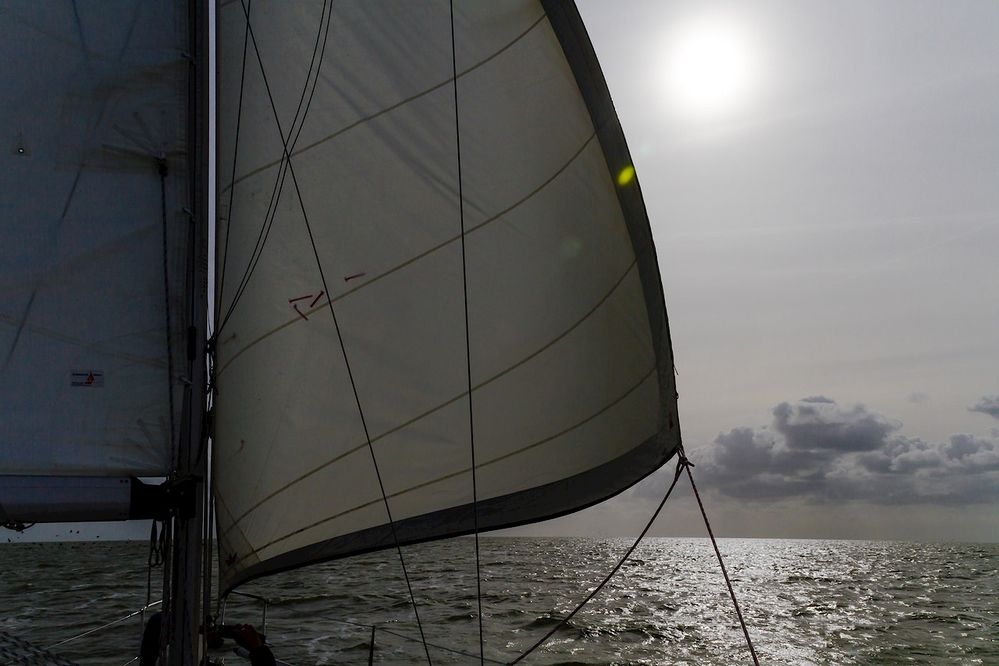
(806, 602)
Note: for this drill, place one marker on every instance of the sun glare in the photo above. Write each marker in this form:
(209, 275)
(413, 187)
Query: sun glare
(709, 68)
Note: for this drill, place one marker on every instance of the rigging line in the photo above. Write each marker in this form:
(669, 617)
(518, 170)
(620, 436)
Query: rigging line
(731, 590)
(343, 348)
(278, 187)
(468, 346)
(235, 154)
(681, 464)
(103, 626)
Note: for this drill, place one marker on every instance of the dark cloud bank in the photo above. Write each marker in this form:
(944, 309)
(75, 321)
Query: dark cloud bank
(987, 405)
(821, 451)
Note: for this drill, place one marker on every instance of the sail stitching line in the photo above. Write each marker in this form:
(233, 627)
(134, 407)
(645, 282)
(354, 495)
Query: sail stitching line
(492, 461)
(451, 401)
(393, 107)
(276, 190)
(468, 345)
(343, 349)
(681, 464)
(418, 257)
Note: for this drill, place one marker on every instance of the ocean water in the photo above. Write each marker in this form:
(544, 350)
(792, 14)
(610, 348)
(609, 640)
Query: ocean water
(806, 602)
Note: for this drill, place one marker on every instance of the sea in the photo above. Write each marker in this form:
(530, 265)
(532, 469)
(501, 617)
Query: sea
(804, 601)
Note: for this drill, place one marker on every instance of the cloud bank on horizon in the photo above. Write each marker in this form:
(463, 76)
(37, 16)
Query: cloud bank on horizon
(818, 450)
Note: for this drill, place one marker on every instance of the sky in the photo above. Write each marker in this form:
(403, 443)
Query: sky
(821, 180)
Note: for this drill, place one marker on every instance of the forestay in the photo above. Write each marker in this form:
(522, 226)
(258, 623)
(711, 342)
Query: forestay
(573, 394)
(94, 182)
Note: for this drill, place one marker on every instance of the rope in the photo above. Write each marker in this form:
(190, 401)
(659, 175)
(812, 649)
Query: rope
(681, 464)
(289, 147)
(235, 154)
(343, 348)
(103, 626)
(731, 590)
(468, 347)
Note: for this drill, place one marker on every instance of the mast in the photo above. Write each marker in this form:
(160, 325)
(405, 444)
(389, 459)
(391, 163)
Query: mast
(182, 579)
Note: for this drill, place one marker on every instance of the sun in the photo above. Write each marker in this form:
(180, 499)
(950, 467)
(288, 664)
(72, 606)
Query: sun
(709, 67)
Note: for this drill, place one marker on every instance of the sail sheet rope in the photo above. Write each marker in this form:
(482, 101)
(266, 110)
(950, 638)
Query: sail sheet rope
(336, 326)
(721, 563)
(468, 344)
(682, 464)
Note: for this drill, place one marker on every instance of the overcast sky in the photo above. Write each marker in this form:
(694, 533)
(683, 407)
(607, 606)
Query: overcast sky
(825, 203)
(827, 222)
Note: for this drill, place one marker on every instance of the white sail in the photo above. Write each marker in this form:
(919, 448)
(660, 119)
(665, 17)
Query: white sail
(93, 186)
(573, 396)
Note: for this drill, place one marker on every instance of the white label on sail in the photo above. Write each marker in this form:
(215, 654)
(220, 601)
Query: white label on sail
(324, 427)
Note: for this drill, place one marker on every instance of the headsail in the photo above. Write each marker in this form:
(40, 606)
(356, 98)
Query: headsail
(94, 183)
(573, 395)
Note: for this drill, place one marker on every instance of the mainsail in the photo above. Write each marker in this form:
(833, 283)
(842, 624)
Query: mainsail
(341, 371)
(93, 248)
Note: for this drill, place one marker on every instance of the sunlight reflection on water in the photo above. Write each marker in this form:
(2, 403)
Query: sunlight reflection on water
(806, 602)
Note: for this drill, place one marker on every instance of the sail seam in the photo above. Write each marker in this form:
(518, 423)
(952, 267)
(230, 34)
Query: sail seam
(391, 108)
(492, 461)
(416, 258)
(451, 401)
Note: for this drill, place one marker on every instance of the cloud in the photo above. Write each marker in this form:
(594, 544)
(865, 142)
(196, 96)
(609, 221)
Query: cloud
(987, 405)
(821, 451)
(917, 397)
(819, 423)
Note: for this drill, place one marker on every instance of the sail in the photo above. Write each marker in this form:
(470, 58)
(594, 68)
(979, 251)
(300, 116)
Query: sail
(93, 188)
(341, 370)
